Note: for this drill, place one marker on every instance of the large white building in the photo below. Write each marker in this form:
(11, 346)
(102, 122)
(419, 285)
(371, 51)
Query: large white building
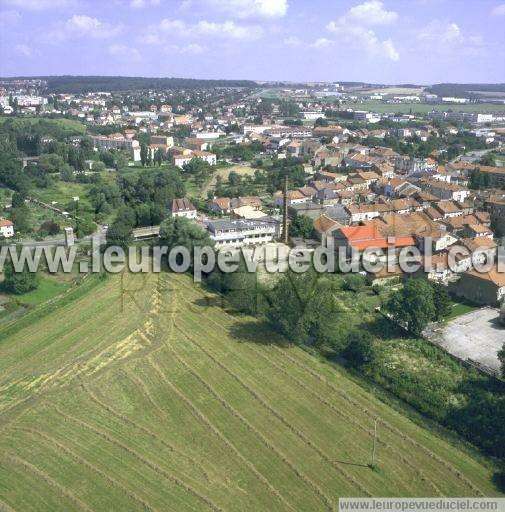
(311, 114)
(117, 141)
(236, 233)
(366, 117)
(182, 159)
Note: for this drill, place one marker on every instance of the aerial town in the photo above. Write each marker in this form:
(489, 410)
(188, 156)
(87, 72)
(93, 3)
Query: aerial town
(355, 175)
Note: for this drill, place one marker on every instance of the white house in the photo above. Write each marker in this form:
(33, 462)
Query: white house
(6, 228)
(181, 160)
(183, 208)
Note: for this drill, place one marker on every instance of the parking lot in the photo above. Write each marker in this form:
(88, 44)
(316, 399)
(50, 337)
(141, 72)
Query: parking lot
(477, 335)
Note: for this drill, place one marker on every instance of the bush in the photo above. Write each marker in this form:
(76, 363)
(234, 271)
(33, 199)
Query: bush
(360, 348)
(19, 282)
(49, 228)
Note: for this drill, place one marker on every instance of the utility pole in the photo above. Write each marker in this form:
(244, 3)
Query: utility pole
(285, 235)
(374, 442)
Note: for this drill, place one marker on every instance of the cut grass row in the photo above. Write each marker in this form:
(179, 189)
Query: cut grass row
(203, 415)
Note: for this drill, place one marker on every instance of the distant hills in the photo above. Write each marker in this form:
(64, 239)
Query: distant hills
(79, 84)
(466, 90)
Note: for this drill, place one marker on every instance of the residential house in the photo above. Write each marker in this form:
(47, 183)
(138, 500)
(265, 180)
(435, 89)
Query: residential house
(483, 249)
(446, 190)
(324, 227)
(482, 287)
(360, 238)
(293, 197)
(362, 212)
(6, 228)
(182, 208)
(496, 208)
(446, 209)
(221, 205)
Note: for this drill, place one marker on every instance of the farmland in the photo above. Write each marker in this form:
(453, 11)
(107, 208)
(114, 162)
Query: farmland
(145, 394)
(422, 108)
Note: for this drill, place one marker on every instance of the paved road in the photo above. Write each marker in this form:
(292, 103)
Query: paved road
(477, 336)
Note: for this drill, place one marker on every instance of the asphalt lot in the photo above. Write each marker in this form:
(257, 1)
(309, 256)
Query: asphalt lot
(476, 335)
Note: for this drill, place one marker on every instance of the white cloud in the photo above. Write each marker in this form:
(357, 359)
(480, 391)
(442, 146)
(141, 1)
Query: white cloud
(23, 50)
(38, 5)
(322, 42)
(8, 18)
(251, 8)
(371, 13)
(499, 10)
(138, 4)
(387, 48)
(292, 41)
(438, 32)
(123, 51)
(352, 28)
(167, 29)
(192, 48)
(361, 37)
(83, 26)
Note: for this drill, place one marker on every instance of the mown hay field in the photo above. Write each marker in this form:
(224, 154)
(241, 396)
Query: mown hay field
(145, 394)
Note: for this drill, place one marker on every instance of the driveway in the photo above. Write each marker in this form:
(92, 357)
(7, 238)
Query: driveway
(477, 335)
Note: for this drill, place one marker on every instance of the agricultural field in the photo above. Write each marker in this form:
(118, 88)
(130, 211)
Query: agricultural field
(395, 90)
(423, 108)
(146, 394)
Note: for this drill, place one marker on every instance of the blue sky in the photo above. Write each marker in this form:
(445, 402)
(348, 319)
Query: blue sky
(389, 41)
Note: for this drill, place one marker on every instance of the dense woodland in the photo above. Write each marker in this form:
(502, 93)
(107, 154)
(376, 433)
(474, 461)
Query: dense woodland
(80, 84)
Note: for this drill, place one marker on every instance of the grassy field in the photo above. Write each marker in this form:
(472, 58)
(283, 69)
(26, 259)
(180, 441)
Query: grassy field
(224, 172)
(145, 394)
(423, 108)
(63, 191)
(67, 126)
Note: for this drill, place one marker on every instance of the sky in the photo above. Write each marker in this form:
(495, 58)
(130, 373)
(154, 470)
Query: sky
(388, 41)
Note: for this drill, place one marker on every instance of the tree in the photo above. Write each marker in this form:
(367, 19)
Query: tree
(301, 226)
(158, 157)
(413, 305)
(19, 282)
(119, 234)
(179, 231)
(21, 219)
(143, 154)
(49, 227)
(18, 200)
(501, 357)
(199, 168)
(360, 349)
(441, 301)
(488, 159)
(241, 288)
(303, 308)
